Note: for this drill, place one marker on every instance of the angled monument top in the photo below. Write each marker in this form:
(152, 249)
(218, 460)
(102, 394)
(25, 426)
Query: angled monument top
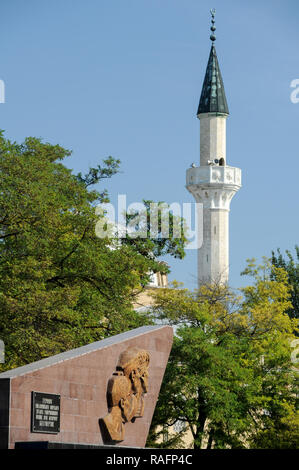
(74, 353)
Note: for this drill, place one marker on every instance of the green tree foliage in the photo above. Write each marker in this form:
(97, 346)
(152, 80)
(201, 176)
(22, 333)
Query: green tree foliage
(230, 378)
(61, 286)
(291, 265)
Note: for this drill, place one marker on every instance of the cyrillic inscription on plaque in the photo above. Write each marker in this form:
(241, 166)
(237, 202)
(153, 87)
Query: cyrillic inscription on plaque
(45, 413)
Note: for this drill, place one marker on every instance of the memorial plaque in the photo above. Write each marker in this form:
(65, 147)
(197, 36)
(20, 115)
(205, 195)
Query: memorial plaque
(45, 413)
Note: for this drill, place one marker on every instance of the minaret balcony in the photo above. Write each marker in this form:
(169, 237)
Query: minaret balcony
(213, 175)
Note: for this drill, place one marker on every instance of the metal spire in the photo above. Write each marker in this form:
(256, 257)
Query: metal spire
(213, 99)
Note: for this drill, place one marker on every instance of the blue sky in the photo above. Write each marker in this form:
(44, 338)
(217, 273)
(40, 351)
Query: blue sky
(109, 77)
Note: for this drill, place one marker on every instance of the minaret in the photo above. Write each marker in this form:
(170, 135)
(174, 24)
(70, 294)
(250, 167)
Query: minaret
(213, 183)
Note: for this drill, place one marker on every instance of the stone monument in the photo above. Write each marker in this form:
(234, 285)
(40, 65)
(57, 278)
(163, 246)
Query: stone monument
(100, 394)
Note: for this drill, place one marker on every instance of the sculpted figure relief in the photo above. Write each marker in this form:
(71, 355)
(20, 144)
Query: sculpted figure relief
(125, 393)
(134, 364)
(122, 405)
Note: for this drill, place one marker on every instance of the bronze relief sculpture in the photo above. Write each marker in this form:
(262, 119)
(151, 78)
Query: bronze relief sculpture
(125, 393)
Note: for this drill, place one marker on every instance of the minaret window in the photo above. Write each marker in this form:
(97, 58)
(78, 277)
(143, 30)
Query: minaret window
(221, 162)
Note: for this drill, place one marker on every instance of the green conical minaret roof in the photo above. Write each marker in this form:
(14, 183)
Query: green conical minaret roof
(213, 99)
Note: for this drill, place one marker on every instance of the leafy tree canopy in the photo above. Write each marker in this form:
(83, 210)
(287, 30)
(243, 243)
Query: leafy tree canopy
(290, 264)
(61, 286)
(230, 379)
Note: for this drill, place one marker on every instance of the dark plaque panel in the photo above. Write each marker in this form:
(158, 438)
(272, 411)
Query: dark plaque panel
(45, 413)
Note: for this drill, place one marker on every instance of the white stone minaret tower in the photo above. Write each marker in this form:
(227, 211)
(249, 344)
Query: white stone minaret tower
(213, 183)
